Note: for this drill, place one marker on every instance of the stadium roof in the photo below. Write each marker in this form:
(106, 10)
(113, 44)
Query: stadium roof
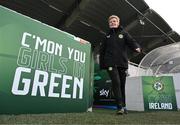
(88, 19)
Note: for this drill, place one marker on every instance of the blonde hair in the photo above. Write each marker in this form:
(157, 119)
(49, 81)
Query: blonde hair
(114, 16)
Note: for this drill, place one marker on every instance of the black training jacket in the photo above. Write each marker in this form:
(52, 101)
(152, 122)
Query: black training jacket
(113, 50)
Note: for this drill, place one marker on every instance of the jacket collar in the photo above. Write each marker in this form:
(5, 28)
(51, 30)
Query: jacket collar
(115, 30)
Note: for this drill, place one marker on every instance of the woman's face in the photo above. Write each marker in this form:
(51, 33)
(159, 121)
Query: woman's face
(113, 23)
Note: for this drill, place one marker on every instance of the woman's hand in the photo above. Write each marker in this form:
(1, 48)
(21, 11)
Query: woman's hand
(138, 50)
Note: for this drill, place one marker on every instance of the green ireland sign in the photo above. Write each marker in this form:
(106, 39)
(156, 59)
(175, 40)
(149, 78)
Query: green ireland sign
(42, 69)
(159, 93)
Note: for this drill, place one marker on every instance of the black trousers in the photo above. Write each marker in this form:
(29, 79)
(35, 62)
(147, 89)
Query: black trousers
(118, 77)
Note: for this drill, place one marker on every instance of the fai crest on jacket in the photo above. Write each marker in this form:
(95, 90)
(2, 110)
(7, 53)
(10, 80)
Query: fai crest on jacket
(121, 36)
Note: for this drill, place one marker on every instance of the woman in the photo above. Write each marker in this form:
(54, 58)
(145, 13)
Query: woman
(113, 58)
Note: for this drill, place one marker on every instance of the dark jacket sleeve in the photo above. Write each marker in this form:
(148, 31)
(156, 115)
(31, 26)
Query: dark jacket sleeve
(132, 43)
(102, 52)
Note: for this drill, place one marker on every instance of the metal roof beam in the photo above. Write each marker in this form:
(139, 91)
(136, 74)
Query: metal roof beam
(74, 14)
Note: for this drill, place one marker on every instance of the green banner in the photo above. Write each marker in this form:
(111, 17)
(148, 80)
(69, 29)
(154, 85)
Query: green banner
(103, 94)
(159, 93)
(42, 69)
